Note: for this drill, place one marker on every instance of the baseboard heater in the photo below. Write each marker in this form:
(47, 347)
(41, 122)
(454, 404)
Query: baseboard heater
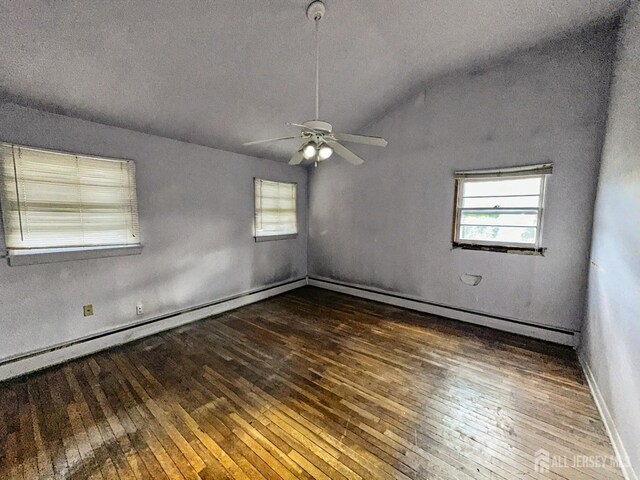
(46, 357)
(543, 332)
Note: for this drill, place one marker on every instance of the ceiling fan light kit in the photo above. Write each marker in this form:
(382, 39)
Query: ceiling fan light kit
(309, 150)
(319, 142)
(325, 152)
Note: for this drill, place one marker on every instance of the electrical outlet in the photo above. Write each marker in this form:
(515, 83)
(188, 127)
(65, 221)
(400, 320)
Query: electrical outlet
(139, 310)
(88, 310)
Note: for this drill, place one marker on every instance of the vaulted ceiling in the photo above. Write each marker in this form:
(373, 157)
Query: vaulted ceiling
(222, 72)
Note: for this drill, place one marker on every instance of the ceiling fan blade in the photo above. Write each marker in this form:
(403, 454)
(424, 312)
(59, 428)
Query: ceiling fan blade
(255, 142)
(345, 153)
(349, 137)
(297, 158)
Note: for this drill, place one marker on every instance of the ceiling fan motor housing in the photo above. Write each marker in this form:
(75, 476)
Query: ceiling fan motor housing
(319, 126)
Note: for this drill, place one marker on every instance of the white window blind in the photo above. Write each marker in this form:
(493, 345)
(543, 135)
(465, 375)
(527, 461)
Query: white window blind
(501, 207)
(53, 200)
(275, 208)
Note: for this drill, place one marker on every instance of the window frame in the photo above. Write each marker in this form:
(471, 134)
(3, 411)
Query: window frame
(497, 175)
(34, 256)
(277, 236)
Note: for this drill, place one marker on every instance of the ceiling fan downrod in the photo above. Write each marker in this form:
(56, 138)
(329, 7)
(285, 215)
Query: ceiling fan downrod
(315, 12)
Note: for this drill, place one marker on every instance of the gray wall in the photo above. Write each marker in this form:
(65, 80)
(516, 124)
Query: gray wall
(612, 328)
(196, 214)
(388, 224)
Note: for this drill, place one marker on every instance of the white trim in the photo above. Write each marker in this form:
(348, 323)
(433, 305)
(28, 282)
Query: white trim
(539, 210)
(479, 318)
(269, 238)
(538, 169)
(607, 419)
(17, 258)
(264, 236)
(56, 354)
(63, 152)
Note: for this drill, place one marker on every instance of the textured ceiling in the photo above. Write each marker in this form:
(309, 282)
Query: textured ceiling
(222, 72)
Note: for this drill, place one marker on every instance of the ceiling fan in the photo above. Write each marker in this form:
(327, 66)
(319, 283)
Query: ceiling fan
(319, 141)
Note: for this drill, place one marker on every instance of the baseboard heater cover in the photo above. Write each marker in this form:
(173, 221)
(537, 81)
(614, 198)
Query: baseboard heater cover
(47, 357)
(555, 335)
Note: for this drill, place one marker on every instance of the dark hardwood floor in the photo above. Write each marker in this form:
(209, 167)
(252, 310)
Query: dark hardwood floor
(310, 384)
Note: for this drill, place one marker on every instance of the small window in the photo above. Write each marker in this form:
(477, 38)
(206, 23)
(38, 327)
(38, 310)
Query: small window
(275, 209)
(54, 201)
(500, 209)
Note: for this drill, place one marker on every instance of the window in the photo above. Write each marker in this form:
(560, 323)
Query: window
(275, 209)
(54, 201)
(500, 209)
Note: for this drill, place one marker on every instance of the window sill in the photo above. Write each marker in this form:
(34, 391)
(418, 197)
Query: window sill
(53, 255)
(500, 249)
(268, 238)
